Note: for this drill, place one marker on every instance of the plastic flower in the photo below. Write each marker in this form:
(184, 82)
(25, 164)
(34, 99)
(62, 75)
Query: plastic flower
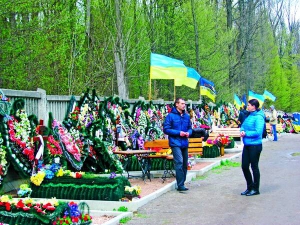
(28, 201)
(135, 190)
(60, 172)
(112, 175)
(222, 140)
(24, 190)
(4, 198)
(38, 178)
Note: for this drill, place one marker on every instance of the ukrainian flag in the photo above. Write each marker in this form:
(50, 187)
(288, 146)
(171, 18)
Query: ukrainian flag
(260, 98)
(269, 96)
(191, 80)
(207, 88)
(163, 67)
(237, 102)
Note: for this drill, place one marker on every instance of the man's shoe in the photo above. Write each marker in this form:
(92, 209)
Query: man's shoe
(246, 192)
(253, 192)
(182, 189)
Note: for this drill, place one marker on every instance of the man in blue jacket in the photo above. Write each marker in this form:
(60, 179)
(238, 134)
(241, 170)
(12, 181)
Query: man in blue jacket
(178, 127)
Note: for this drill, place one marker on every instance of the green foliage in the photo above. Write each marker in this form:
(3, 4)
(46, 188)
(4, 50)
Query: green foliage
(64, 47)
(225, 165)
(139, 215)
(123, 209)
(199, 178)
(125, 220)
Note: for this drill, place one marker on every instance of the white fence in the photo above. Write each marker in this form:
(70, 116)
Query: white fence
(40, 104)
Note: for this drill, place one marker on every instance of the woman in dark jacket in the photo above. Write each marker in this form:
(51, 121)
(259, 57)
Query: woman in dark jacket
(251, 133)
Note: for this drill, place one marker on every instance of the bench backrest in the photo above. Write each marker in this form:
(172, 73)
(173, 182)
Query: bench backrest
(231, 132)
(195, 145)
(278, 127)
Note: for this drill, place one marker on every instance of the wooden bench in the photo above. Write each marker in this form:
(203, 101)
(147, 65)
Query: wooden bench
(162, 146)
(163, 150)
(279, 128)
(231, 132)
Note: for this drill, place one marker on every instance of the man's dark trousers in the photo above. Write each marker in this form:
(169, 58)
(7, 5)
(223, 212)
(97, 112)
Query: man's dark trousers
(180, 156)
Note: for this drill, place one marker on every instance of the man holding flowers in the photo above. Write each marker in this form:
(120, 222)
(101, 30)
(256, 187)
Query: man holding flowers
(178, 127)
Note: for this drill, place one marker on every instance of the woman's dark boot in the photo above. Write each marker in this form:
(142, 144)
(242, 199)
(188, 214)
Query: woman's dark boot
(246, 192)
(253, 192)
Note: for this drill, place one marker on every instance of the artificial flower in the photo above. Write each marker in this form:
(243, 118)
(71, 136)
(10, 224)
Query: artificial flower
(60, 172)
(38, 178)
(24, 190)
(4, 198)
(134, 190)
(222, 140)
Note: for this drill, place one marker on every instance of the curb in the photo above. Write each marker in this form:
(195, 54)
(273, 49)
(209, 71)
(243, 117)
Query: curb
(136, 204)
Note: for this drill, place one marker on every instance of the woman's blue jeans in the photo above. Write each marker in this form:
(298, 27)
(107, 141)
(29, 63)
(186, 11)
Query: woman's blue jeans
(180, 158)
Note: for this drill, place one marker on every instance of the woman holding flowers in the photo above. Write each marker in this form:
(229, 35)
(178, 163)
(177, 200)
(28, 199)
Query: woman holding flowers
(251, 133)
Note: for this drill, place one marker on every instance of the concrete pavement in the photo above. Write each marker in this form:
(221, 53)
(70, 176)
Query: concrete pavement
(217, 200)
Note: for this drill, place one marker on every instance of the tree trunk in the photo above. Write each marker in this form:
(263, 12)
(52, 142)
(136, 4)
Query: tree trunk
(196, 34)
(120, 54)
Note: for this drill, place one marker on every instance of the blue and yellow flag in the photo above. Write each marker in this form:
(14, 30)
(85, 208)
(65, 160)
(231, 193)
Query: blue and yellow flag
(207, 88)
(269, 96)
(260, 98)
(163, 67)
(237, 102)
(244, 100)
(191, 80)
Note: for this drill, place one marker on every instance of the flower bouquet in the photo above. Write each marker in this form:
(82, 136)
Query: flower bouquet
(24, 191)
(73, 215)
(46, 211)
(222, 141)
(133, 191)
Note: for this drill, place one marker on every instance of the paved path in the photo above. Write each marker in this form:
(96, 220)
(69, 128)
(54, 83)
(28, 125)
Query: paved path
(216, 199)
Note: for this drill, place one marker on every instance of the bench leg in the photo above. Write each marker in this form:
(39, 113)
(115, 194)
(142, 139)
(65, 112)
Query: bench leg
(145, 164)
(167, 170)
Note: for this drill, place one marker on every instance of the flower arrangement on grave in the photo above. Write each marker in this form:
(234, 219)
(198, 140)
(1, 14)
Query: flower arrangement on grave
(204, 126)
(48, 171)
(73, 215)
(47, 211)
(70, 143)
(19, 146)
(3, 162)
(133, 191)
(53, 147)
(24, 191)
(222, 140)
(19, 131)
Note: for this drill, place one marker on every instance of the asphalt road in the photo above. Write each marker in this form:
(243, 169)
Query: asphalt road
(216, 199)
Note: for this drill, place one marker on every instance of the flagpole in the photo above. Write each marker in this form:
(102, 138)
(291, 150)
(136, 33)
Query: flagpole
(174, 90)
(150, 90)
(200, 94)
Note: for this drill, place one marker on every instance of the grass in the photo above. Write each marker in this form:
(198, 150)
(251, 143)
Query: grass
(122, 209)
(139, 215)
(125, 220)
(296, 154)
(225, 165)
(202, 177)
